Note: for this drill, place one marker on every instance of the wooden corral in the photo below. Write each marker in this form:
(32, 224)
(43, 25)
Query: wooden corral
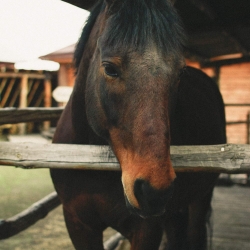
(25, 89)
(224, 158)
(230, 204)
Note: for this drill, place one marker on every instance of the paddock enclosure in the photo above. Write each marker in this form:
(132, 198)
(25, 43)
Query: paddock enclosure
(218, 35)
(227, 158)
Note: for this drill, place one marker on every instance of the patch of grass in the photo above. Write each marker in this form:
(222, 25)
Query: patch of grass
(19, 189)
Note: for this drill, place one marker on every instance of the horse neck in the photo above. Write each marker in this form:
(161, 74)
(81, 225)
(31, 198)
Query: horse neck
(84, 133)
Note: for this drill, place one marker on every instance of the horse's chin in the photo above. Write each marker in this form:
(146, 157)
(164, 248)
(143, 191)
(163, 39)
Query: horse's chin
(142, 213)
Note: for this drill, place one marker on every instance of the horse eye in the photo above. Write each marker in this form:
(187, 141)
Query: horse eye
(110, 70)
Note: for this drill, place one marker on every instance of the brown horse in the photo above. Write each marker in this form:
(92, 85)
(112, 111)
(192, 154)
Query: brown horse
(131, 92)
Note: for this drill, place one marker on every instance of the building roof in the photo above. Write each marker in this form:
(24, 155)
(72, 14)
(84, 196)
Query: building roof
(218, 30)
(64, 55)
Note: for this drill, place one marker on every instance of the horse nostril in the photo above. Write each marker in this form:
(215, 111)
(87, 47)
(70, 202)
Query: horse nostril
(151, 201)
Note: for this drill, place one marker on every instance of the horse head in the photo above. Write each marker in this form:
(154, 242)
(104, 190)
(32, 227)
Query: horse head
(131, 85)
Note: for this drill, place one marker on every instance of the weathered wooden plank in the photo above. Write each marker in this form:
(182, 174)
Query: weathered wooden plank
(28, 217)
(14, 115)
(19, 75)
(113, 241)
(226, 158)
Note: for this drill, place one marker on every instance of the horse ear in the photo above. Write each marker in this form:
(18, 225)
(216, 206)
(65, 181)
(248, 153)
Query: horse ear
(112, 4)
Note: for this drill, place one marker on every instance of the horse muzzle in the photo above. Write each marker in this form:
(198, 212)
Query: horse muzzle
(152, 202)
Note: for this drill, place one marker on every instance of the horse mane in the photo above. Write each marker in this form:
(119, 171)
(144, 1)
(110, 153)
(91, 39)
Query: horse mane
(136, 23)
(86, 32)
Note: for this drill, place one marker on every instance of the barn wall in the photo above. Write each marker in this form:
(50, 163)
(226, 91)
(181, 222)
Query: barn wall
(235, 88)
(66, 75)
(234, 83)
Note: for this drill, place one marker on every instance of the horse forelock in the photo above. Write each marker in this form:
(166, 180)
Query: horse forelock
(135, 24)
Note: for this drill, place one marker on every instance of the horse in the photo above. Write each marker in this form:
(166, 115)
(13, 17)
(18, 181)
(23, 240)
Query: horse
(134, 93)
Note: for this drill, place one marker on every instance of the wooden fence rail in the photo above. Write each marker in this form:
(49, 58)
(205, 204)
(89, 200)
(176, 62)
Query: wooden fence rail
(225, 158)
(20, 115)
(28, 217)
(15, 115)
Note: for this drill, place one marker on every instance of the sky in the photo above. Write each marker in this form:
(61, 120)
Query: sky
(33, 28)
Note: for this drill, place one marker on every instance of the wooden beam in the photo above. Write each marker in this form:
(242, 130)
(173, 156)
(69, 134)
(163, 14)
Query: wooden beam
(236, 122)
(219, 63)
(47, 100)
(14, 97)
(113, 241)
(14, 115)
(28, 217)
(205, 8)
(248, 127)
(20, 75)
(86, 4)
(7, 92)
(2, 85)
(33, 89)
(226, 158)
(234, 40)
(237, 104)
(23, 101)
(194, 56)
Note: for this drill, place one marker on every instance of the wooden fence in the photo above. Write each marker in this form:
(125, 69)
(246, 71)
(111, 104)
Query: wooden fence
(226, 158)
(240, 122)
(25, 90)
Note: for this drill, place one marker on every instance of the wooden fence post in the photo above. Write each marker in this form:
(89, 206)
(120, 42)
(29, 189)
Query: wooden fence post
(47, 99)
(248, 127)
(23, 101)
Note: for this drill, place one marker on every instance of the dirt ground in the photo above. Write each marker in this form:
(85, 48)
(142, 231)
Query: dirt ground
(49, 233)
(20, 188)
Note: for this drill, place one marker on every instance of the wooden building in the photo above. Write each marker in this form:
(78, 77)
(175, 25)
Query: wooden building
(21, 89)
(234, 83)
(66, 73)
